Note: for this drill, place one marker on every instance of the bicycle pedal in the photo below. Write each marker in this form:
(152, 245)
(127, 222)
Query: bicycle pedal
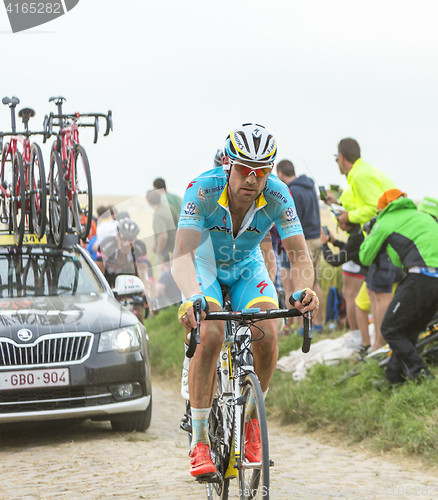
(271, 463)
(208, 478)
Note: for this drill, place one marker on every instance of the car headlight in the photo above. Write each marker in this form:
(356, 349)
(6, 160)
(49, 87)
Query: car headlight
(123, 339)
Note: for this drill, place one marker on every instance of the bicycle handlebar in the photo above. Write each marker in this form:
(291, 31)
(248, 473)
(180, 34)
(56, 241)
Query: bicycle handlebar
(248, 315)
(48, 123)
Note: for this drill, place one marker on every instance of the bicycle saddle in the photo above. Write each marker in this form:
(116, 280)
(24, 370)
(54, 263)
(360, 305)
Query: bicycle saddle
(57, 100)
(25, 114)
(13, 101)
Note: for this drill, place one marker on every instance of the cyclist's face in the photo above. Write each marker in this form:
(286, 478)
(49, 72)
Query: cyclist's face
(125, 245)
(246, 188)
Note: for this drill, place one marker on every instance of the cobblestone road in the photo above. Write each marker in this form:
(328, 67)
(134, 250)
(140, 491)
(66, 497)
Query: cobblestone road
(90, 461)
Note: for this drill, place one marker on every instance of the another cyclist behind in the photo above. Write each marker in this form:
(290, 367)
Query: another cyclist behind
(225, 216)
(125, 254)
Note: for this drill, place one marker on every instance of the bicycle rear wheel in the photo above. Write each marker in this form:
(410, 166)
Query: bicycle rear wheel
(38, 192)
(57, 202)
(254, 477)
(82, 196)
(18, 199)
(6, 182)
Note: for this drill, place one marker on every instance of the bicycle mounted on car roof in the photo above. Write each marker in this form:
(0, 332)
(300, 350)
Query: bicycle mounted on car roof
(71, 197)
(23, 179)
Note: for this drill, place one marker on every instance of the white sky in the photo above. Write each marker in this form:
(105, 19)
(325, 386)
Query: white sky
(180, 75)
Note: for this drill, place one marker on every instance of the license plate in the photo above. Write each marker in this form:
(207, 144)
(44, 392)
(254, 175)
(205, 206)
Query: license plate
(30, 379)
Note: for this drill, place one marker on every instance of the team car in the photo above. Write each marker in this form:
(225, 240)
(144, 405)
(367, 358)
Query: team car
(68, 348)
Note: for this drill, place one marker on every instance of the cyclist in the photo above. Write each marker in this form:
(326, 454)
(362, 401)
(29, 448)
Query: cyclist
(410, 238)
(225, 215)
(125, 254)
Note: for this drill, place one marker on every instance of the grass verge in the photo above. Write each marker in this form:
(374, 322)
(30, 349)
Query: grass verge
(402, 419)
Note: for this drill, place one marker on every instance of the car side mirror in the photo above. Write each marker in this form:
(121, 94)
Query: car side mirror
(128, 285)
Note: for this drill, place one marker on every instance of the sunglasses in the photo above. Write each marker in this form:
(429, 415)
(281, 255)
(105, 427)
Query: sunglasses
(246, 171)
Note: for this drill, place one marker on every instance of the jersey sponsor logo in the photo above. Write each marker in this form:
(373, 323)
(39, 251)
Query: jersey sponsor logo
(223, 229)
(290, 214)
(253, 229)
(201, 194)
(214, 189)
(190, 208)
(262, 285)
(277, 194)
(191, 184)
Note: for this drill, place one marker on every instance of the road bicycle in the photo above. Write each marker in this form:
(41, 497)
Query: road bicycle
(238, 402)
(70, 187)
(427, 347)
(23, 180)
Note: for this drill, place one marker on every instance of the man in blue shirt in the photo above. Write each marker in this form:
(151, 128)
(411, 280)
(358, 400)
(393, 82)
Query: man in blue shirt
(225, 216)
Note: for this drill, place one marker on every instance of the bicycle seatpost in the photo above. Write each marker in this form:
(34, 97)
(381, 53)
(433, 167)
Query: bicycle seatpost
(12, 102)
(58, 102)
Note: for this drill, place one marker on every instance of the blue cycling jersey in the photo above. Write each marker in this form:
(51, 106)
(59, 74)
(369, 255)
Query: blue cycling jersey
(206, 209)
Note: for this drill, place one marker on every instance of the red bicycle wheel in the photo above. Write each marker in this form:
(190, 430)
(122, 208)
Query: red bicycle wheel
(18, 199)
(38, 192)
(57, 201)
(6, 182)
(82, 195)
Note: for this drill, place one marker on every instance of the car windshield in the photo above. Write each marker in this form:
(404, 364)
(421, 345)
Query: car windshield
(44, 272)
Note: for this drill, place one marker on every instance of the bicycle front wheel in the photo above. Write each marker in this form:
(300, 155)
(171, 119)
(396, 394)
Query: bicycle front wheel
(254, 466)
(57, 202)
(38, 192)
(18, 197)
(220, 446)
(82, 195)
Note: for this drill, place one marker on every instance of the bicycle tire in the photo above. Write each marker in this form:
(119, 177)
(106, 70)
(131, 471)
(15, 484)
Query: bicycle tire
(18, 199)
(82, 195)
(57, 202)
(219, 454)
(6, 181)
(254, 482)
(38, 192)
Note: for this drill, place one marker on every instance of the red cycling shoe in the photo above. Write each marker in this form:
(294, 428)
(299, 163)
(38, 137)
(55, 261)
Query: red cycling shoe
(201, 465)
(253, 446)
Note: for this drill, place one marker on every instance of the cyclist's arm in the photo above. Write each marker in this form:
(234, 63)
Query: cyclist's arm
(269, 257)
(301, 264)
(184, 271)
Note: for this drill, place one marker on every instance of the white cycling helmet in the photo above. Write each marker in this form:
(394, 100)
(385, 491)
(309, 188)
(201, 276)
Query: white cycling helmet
(251, 143)
(127, 229)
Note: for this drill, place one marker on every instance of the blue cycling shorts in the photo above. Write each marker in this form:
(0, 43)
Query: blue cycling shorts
(247, 282)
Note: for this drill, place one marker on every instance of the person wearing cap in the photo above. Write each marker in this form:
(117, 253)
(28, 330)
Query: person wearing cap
(429, 206)
(409, 237)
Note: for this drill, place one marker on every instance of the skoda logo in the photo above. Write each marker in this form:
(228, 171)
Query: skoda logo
(25, 335)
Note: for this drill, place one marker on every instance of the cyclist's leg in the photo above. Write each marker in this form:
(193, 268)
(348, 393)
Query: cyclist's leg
(202, 376)
(255, 289)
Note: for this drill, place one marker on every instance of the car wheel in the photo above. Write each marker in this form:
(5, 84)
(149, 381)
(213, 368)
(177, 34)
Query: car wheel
(136, 421)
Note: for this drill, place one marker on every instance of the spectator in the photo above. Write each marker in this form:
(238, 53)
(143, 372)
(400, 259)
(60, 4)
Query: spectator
(303, 192)
(172, 199)
(429, 206)
(367, 184)
(106, 225)
(349, 252)
(410, 238)
(165, 220)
